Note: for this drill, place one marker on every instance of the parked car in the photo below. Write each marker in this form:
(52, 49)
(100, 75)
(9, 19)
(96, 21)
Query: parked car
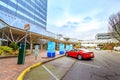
(117, 48)
(97, 48)
(80, 54)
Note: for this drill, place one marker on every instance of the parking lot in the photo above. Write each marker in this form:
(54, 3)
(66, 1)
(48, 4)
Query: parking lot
(105, 66)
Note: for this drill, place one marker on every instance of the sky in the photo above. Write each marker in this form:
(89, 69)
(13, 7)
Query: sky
(80, 19)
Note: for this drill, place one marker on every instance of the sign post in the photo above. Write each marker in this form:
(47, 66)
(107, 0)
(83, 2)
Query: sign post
(36, 51)
(22, 49)
(67, 48)
(51, 49)
(71, 46)
(26, 27)
(61, 48)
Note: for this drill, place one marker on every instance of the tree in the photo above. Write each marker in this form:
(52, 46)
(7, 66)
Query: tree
(114, 26)
(14, 46)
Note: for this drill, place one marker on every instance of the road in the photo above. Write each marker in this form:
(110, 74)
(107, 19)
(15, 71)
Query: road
(105, 66)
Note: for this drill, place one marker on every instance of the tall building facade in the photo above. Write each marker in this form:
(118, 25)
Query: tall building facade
(17, 13)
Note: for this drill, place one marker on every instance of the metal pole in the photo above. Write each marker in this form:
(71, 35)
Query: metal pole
(25, 46)
(26, 27)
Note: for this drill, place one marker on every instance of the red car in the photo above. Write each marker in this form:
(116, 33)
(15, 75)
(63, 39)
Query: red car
(80, 54)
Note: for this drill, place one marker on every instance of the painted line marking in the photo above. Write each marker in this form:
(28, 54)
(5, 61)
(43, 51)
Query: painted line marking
(91, 65)
(49, 72)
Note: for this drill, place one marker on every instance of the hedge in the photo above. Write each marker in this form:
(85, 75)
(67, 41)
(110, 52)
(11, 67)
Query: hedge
(6, 49)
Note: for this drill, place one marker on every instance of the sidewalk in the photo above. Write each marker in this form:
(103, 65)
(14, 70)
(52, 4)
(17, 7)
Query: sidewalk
(10, 70)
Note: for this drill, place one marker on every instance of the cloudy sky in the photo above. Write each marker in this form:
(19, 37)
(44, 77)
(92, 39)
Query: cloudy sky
(81, 19)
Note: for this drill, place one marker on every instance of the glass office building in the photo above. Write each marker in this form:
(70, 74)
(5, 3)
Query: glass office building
(17, 13)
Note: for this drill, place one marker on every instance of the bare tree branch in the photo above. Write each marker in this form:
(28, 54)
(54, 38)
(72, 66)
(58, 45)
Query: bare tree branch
(114, 26)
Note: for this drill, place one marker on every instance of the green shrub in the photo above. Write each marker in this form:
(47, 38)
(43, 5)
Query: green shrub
(14, 46)
(107, 46)
(1, 52)
(6, 49)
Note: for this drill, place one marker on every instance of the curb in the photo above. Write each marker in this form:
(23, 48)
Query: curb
(22, 75)
(52, 59)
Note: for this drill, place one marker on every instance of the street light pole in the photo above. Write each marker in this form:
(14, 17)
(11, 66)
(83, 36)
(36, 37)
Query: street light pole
(22, 49)
(26, 27)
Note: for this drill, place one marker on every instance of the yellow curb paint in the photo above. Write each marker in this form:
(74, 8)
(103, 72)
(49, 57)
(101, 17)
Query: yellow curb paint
(22, 75)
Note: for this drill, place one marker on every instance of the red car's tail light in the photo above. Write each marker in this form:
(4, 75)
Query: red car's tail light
(92, 54)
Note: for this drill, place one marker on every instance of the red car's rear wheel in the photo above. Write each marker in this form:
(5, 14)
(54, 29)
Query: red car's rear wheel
(79, 57)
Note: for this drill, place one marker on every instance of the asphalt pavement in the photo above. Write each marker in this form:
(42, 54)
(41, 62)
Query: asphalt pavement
(53, 70)
(105, 66)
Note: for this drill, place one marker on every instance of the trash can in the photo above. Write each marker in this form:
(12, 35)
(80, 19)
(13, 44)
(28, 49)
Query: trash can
(53, 54)
(48, 54)
(21, 55)
(61, 52)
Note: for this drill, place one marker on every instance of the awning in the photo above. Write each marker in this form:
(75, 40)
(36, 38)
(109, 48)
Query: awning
(31, 35)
